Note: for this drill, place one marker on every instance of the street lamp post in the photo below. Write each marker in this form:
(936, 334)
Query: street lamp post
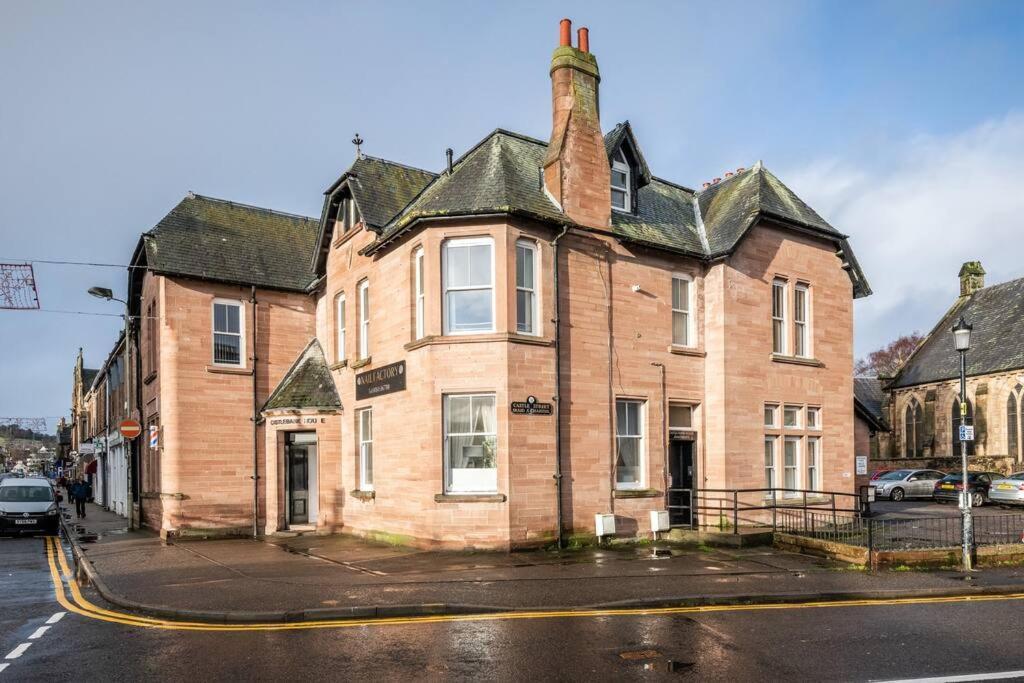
(105, 293)
(962, 341)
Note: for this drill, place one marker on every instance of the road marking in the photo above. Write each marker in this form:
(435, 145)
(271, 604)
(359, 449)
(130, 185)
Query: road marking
(84, 607)
(56, 617)
(38, 633)
(1002, 675)
(18, 651)
(4, 666)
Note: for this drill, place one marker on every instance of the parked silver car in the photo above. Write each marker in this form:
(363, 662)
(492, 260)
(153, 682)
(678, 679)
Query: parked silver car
(1008, 490)
(900, 484)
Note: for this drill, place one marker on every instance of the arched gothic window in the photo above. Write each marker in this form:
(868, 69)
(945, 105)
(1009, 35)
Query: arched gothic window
(955, 426)
(1013, 425)
(913, 433)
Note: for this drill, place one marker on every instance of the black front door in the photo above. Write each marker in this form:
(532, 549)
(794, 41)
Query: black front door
(297, 475)
(680, 493)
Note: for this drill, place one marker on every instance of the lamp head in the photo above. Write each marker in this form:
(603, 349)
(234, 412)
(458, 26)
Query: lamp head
(962, 334)
(101, 293)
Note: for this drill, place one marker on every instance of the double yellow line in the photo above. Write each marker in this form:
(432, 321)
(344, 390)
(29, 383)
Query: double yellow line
(78, 604)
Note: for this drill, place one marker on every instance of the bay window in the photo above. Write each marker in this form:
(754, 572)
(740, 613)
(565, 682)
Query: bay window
(470, 443)
(526, 288)
(468, 285)
(801, 341)
(779, 288)
(629, 438)
(814, 463)
(228, 334)
(769, 461)
(790, 464)
(418, 289)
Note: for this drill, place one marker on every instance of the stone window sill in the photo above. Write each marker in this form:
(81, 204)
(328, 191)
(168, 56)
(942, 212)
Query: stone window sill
(470, 498)
(363, 495)
(686, 351)
(339, 365)
(478, 339)
(362, 362)
(219, 370)
(636, 493)
(795, 360)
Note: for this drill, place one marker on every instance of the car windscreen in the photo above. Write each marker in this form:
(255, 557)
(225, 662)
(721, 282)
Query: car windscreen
(1016, 475)
(894, 475)
(26, 494)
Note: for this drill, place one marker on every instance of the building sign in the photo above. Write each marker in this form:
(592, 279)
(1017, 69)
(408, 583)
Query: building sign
(967, 432)
(297, 420)
(383, 380)
(86, 448)
(531, 407)
(862, 464)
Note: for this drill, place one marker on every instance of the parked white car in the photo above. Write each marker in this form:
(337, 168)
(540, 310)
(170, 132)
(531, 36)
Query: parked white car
(1008, 490)
(900, 484)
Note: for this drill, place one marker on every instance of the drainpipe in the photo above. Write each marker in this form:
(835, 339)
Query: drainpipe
(558, 389)
(255, 426)
(664, 428)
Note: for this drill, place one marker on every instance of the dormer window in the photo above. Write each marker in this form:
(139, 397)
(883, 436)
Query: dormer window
(621, 182)
(347, 214)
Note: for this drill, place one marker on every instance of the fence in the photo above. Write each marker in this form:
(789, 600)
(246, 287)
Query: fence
(731, 509)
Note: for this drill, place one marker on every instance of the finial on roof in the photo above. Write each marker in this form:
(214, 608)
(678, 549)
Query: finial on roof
(758, 166)
(358, 141)
(191, 194)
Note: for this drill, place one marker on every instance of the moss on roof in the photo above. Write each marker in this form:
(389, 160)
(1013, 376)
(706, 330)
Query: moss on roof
(307, 384)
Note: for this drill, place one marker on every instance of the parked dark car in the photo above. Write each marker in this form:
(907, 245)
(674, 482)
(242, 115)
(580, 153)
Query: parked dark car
(28, 505)
(948, 488)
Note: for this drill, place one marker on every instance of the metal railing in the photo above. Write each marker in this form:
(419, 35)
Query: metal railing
(731, 509)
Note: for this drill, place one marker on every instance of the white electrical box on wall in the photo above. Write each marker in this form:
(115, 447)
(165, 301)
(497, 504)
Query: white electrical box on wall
(604, 525)
(659, 520)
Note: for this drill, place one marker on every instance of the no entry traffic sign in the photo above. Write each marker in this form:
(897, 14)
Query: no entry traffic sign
(130, 429)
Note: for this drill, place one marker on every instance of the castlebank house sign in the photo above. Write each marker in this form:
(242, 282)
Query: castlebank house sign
(380, 381)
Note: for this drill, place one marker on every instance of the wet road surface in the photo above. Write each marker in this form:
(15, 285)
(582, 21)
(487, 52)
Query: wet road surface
(798, 643)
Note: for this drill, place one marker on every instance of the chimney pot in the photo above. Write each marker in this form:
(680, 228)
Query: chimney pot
(728, 174)
(706, 185)
(583, 39)
(740, 169)
(565, 33)
(448, 155)
(716, 181)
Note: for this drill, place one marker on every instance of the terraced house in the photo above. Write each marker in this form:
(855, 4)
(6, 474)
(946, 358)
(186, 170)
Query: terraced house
(490, 355)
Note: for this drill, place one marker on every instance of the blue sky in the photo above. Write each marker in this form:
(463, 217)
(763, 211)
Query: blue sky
(902, 123)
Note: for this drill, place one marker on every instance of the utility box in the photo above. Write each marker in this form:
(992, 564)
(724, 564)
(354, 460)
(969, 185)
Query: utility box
(659, 520)
(604, 525)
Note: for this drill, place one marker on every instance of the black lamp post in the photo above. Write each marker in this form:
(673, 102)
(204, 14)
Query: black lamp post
(962, 341)
(106, 293)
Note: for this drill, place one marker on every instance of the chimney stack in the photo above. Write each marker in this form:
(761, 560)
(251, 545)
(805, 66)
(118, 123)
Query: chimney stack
(972, 278)
(576, 169)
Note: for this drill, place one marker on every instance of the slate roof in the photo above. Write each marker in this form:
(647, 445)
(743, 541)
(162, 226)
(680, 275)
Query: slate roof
(214, 239)
(88, 376)
(307, 384)
(381, 188)
(502, 174)
(997, 342)
(868, 396)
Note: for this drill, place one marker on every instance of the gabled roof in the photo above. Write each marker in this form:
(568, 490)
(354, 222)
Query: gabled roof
(997, 342)
(867, 400)
(623, 133)
(88, 376)
(307, 384)
(502, 175)
(214, 239)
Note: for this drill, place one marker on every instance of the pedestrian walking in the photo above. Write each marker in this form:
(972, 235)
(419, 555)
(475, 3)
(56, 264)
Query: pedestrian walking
(81, 491)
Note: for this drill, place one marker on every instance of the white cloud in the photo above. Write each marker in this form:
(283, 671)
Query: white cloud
(915, 211)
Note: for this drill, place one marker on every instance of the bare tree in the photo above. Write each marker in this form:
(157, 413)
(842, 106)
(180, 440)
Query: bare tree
(889, 358)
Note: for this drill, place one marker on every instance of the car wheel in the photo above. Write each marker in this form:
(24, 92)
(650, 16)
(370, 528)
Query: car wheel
(977, 499)
(897, 494)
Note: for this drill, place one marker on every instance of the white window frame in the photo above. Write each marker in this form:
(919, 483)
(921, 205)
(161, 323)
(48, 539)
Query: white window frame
(241, 333)
(774, 407)
(449, 486)
(799, 424)
(689, 407)
(365, 448)
(797, 442)
(467, 242)
(620, 164)
(771, 470)
(802, 328)
(780, 319)
(813, 463)
(339, 327)
(641, 418)
(690, 340)
(531, 247)
(364, 319)
(816, 411)
(419, 301)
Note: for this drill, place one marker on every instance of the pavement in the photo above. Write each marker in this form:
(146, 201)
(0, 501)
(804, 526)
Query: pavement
(328, 577)
(971, 638)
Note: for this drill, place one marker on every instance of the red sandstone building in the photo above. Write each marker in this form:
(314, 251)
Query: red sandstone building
(491, 355)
